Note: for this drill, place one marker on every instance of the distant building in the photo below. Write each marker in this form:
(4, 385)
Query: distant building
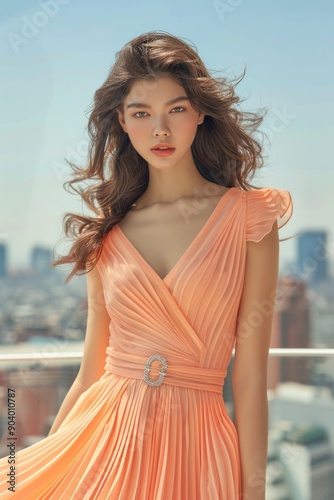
(31, 332)
(41, 260)
(3, 260)
(40, 385)
(312, 258)
(304, 467)
(305, 405)
(291, 329)
(276, 484)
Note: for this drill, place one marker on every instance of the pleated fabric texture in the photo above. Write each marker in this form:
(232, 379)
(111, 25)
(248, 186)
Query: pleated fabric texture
(125, 439)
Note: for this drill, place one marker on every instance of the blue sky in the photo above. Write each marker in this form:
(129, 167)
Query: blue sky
(56, 53)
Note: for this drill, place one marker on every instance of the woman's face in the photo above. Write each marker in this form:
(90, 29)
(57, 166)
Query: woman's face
(157, 112)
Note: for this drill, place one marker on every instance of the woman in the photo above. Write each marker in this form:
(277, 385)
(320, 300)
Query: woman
(181, 259)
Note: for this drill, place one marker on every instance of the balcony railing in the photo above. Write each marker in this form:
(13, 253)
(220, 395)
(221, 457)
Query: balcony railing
(77, 355)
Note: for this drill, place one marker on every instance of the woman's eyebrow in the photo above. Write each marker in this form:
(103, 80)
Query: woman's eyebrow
(168, 103)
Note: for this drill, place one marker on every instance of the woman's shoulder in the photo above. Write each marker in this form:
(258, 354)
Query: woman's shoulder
(264, 206)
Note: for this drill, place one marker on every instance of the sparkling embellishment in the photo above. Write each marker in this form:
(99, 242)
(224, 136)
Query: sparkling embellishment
(162, 372)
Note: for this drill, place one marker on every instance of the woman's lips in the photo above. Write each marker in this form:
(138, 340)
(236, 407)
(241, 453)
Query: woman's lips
(163, 152)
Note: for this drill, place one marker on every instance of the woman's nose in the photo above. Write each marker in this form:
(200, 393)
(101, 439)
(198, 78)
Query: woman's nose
(161, 129)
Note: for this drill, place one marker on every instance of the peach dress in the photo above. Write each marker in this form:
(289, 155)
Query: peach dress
(127, 438)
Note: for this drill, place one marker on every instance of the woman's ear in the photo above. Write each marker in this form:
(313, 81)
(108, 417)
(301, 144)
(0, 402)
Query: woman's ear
(201, 118)
(121, 120)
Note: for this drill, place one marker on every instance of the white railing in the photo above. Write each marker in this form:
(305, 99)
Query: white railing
(77, 355)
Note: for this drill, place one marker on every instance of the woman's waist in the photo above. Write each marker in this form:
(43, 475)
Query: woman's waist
(158, 368)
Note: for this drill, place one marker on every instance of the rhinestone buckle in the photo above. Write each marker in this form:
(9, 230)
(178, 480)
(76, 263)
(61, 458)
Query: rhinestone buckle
(154, 383)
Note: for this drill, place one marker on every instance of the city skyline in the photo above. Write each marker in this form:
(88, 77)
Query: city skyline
(311, 265)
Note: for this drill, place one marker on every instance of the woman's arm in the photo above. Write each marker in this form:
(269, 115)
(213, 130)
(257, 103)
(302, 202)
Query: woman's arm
(250, 364)
(96, 343)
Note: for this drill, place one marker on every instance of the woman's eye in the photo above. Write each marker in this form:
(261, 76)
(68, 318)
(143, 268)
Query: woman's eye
(178, 108)
(139, 113)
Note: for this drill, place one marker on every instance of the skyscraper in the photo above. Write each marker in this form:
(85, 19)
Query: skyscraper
(3, 260)
(312, 259)
(291, 329)
(41, 259)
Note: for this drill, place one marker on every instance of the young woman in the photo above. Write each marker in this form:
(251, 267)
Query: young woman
(181, 257)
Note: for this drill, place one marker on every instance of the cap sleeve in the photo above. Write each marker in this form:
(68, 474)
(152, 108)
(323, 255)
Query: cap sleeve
(264, 206)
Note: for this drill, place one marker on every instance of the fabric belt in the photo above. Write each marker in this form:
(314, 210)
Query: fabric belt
(139, 367)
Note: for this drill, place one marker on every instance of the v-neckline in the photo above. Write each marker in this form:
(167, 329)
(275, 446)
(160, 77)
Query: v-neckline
(185, 254)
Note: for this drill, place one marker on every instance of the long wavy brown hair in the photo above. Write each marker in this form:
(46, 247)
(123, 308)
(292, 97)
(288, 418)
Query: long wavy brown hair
(225, 149)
